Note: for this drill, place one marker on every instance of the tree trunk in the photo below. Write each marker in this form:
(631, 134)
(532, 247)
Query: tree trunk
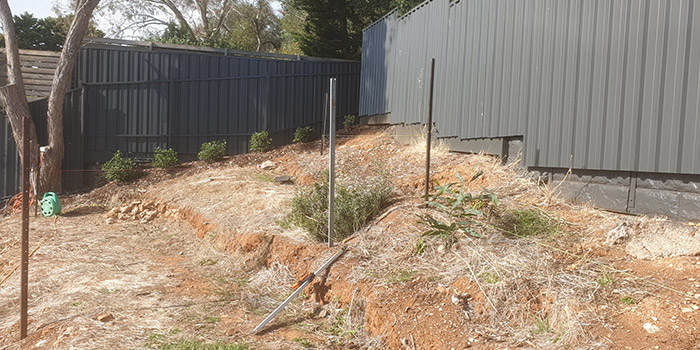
(12, 97)
(51, 177)
(14, 102)
(14, 68)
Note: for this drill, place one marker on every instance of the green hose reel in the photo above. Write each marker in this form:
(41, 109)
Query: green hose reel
(50, 205)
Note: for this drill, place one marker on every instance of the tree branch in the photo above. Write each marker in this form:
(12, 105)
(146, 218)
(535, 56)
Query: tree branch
(178, 14)
(14, 67)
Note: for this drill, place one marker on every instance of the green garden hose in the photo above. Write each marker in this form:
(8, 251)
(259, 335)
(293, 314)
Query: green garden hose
(50, 205)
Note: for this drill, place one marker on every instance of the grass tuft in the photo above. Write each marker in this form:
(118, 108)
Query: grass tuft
(188, 344)
(401, 276)
(527, 223)
(628, 300)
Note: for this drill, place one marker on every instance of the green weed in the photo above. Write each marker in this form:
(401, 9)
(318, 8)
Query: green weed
(527, 223)
(420, 246)
(207, 262)
(605, 279)
(213, 319)
(461, 208)
(542, 325)
(401, 276)
(263, 177)
(628, 300)
(489, 277)
(188, 344)
(303, 342)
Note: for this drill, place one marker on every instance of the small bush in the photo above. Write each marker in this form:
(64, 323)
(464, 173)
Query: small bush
(457, 211)
(165, 158)
(212, 151)
(260, 142)
(527, 223)
(353, 207)
(303, 135)
(348, 122)
(119, 169)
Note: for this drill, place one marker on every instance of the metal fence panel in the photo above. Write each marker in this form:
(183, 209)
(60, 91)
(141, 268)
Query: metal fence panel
(606, 85)
(138, 100)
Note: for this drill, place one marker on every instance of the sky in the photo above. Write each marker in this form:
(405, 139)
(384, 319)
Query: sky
(39, 8)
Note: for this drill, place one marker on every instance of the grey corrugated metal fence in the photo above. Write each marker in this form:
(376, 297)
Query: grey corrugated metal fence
(135, 96)
(10, 164)
(605, 85)
(139, 99)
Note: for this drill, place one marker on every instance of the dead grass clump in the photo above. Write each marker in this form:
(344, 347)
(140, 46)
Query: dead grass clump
(438, 147)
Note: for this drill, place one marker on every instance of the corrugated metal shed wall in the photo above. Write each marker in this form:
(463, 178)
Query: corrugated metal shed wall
(606, 85)
(139, 99)
(378, 45)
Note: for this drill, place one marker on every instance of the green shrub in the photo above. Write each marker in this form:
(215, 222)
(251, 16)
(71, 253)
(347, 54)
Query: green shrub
(165, 158)
(348, 122)
(353, 207)
(457, 210)
(303, 135)
(212, 151)
(119, 169)
(260, 142)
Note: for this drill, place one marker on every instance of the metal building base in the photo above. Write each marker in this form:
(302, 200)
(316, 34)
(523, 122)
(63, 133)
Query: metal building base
(675, 196)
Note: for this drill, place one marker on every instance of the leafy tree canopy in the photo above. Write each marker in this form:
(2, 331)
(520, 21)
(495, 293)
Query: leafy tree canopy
(47, 34)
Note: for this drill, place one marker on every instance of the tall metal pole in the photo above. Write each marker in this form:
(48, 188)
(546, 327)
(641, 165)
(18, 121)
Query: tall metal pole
(25, 229)
(430, 129)
(325, 117)
(331, 166)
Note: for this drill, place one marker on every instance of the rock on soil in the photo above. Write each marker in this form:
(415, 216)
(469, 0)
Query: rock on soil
(139, 210)
(106, 317)
(665, 240)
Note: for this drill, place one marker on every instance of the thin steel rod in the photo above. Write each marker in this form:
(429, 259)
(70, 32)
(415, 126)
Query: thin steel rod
(325, 116)
(331, 171)
(25, 229)
(430, 130)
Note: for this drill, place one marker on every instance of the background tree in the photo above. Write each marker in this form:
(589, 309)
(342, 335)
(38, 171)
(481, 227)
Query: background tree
(47, 34)
(333, 28)
(201, 21)
(253, 27)
(16, 107)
